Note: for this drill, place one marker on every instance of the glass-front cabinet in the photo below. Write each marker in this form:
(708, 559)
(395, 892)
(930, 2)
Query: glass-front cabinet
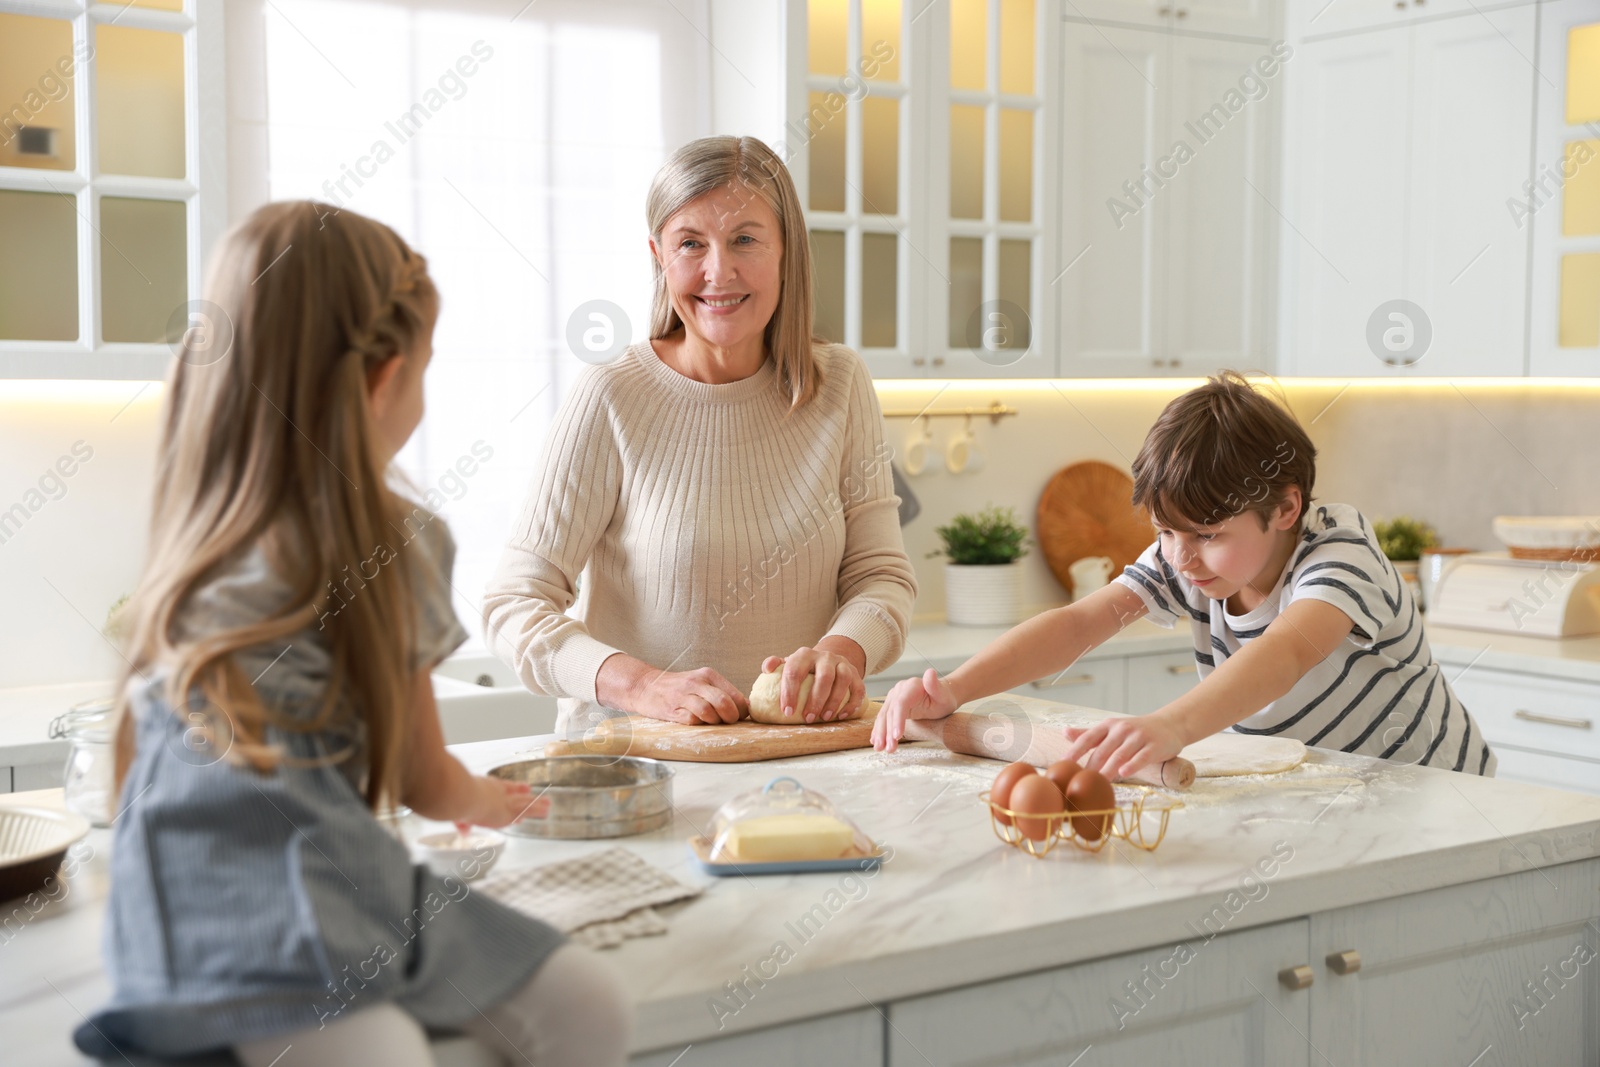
(917, 136)
(1562, 201)
(107, 202)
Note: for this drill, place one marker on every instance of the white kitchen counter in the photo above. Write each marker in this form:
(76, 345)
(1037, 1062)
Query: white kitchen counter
(25, 713)
(953, 906)
(1575, 659)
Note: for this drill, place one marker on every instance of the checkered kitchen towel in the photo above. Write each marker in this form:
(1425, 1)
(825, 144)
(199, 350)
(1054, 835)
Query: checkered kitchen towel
(600, 900)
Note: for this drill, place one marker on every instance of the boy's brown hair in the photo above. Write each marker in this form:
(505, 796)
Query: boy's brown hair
(1220, 450)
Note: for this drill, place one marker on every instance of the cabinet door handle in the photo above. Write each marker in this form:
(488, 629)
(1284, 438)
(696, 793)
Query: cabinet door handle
(1182, 668)
(1052, 683)
(938, 361)
(1348, 962)
(1296, 977)
(1183, 12)
(918, 361)
(1553, 720)
(1164, 12)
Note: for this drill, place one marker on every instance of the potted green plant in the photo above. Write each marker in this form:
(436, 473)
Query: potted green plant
(983, 569)
(1403, 540)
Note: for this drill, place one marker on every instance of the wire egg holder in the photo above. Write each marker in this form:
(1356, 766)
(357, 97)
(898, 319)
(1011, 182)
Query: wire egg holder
(1139, 824)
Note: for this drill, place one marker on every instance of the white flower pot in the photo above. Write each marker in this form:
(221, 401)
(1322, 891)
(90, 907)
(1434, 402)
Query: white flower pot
(977, 595)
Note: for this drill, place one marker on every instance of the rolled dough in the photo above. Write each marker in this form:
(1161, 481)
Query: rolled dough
(765, 708)
(1227, 754)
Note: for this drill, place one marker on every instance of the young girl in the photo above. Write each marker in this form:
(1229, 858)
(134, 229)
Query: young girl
(278, 694)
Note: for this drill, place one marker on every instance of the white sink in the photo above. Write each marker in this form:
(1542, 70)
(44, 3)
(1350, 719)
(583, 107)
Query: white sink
(480, 699)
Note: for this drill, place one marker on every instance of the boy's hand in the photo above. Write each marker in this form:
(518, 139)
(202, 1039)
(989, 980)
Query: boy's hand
(928, 697)
(497, 802)
(1118, 747)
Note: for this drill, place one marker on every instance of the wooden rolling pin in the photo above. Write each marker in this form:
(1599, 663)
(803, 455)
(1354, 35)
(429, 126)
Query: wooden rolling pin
(980, 735)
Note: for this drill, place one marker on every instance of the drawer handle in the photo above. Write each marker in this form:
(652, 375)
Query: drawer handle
(1051, 683)
(1296, 977)
(1345, 962)
(1554, 720)
(1182, 668)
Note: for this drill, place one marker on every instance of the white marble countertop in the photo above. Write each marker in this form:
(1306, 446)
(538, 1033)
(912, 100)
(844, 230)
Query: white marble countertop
(1575, 659)
(953, 905)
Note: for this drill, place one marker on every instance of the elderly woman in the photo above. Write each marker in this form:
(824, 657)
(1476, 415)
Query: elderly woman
(725, 484)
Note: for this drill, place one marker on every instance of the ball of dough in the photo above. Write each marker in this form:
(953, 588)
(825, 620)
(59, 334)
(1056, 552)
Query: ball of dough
(765, 705)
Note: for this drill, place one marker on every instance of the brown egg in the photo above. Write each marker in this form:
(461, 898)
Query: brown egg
(1004, 783)
(1061, 772)
(1037, 795)
(1090, 791)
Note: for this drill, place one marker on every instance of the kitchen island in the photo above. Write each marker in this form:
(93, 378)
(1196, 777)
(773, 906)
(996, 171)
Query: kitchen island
(1464, 914)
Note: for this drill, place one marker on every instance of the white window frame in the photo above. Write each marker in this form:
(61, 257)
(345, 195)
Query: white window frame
(202, 190)
(923, 220)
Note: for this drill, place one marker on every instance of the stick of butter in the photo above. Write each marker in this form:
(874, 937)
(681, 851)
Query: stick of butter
(767, 838)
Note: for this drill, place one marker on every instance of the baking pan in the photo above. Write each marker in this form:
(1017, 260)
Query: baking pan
(593, 796)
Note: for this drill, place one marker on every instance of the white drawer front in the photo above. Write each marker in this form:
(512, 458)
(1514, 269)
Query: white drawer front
(1562, 718)
(1156, 681)
(1541, 768)
(1095, 684)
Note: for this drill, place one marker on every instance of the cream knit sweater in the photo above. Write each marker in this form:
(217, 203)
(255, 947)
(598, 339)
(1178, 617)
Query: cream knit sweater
(713, 528)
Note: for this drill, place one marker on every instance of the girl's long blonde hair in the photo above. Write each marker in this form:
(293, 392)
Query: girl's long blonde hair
(749, 166)
(272, 445)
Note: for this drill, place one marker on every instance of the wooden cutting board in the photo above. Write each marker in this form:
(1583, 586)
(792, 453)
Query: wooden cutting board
(1086, 510)
(739, 742)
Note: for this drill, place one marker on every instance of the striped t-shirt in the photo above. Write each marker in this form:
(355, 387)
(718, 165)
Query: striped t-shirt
(1379, 693)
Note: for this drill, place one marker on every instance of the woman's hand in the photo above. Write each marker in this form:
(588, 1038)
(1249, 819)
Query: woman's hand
(928, 697)
(689, 697)
(1118, 747)
(835, 694)
(495, 802)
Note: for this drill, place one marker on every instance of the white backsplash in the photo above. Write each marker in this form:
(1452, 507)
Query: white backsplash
(1456, 457)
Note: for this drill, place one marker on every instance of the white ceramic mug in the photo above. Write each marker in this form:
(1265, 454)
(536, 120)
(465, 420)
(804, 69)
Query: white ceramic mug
(1088, 574)
(918, 444)
(962, 454)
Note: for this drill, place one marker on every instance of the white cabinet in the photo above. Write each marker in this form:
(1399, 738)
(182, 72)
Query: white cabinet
(1165, 235)
(1219, 237)
(1506, 964)
(1316, 18)
(1097, 683)
(1543, 731)
(1510, 963)
(1217, 1002)
(1238, 18)
(1156, 681)
(1471, 131)
(853, 1039)
(1400, 148)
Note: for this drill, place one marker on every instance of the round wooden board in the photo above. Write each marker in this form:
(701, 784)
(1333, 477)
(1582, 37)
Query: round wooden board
(1086, 510)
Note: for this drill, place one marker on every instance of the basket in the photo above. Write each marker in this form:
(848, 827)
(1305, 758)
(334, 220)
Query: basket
(1135, 821)
(1555, 555)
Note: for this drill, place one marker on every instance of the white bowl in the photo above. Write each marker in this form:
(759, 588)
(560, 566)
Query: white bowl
(468, 858)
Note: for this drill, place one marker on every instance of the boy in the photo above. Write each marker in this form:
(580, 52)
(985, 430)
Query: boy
(1302, 627)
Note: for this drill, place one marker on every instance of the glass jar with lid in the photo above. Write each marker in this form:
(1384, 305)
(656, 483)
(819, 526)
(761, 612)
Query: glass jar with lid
(90, 773)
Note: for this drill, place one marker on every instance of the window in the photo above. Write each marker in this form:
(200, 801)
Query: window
(920, 155)
(105, 206)
(515, 154)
